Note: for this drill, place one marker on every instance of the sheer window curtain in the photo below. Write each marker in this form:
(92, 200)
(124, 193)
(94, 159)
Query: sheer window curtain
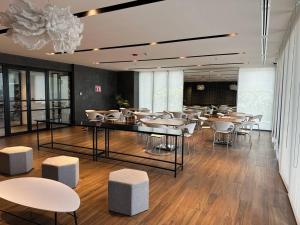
(286, 127)
(161, 90)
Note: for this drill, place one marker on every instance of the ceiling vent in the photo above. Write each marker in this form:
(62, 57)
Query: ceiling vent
(265, 17)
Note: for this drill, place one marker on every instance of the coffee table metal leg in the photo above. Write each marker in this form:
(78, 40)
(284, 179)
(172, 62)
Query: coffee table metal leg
(55, 218)
(75, 217)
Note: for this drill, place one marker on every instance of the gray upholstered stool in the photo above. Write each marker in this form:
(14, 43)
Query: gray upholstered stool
(128, 191)
(16, 160)
(64, 169)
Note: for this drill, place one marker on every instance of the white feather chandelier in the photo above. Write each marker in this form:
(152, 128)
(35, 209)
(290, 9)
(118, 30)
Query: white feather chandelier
(33, 28)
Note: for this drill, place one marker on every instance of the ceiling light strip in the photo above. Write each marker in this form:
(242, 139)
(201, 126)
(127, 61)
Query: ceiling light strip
(221, 64)
(155, 43)
(170, 58)
(117, 7)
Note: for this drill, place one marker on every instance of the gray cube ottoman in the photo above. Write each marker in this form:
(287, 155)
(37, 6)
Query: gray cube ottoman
(64, 169)
(16, 160)
(128, 191)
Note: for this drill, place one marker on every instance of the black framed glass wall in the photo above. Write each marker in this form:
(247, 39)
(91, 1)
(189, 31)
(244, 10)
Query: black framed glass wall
(28, 94)
(37, 97)
(59, 96)
(2, 121)
(17, 91)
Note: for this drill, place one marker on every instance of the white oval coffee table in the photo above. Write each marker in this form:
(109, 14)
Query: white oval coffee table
(42, 194)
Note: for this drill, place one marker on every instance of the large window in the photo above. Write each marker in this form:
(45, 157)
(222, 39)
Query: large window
(59, 96)
(162, 90)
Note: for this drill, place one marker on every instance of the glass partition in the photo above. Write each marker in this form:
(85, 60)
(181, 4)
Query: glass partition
(59, 96)
(17, 100)
(2, 124)
(37, 97)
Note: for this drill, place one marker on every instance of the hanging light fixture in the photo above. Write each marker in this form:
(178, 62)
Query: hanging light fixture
(200, 87)
(33, 28)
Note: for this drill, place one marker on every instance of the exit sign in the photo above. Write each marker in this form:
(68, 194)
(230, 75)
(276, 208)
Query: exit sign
(98, 88)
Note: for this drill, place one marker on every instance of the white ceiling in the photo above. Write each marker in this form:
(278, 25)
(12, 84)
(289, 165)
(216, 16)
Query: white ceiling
(168, 20)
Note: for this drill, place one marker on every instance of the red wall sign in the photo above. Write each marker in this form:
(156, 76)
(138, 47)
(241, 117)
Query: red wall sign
(98, 88)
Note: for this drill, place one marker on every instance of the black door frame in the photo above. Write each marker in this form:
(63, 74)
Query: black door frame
(27, 69)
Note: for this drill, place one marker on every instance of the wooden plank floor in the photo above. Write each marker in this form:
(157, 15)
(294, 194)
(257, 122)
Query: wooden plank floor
(216, 187)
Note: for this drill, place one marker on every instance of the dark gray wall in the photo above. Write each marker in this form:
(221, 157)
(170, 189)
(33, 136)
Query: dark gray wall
(128, 87)
(84, 81)
(32, 62)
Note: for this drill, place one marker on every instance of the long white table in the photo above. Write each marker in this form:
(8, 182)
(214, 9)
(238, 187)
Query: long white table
(42, 194)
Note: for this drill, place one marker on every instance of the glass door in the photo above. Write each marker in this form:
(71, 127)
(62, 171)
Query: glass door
(17, 100)
(37, 97)
(59, 96)
(2, 122)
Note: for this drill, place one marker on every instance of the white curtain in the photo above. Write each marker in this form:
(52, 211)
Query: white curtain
(161, 90)
(286, 122)
(145, 90)
(256, 93)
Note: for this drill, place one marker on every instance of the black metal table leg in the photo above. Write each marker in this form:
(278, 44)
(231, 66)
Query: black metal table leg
(108, 143)
(51, 132)
(94, 144)
(182, 151)
(167, 142)
(38, 135)
(75, 218)
(175, 171)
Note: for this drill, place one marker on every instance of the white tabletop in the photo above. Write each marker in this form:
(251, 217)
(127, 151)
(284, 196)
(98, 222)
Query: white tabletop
(40, 193)
(147, 114)
(167, 122)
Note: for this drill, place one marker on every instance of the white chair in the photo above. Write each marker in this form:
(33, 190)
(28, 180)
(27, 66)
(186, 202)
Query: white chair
(257, 120)
(246, 128)
(114, 116)
(223, 128)
(188, 131)
(177, 115)
(202, 120)
(154, 141)
(94, 115)
(144, 110)
(220, 114)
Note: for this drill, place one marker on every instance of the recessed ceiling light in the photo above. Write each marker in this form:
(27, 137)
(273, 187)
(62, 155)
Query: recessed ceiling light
(96, 49)
(153, 43)
(233, 34)
(96, 63)
(198, 65)
(135, 61)
(50, 53)
(182, 57)
(92, 12)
